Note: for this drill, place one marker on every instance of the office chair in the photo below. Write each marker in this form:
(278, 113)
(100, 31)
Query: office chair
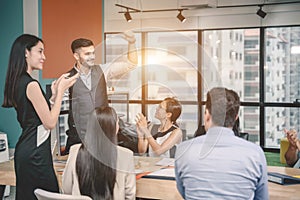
(244, 135)
(173, 149)
(45, 195)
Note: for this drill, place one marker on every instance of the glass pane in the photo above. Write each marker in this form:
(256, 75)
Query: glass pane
(116, 98)
(231, 59)
(121, 109)
(187, 121)
(116, 50)
(171, 65)
(282, 63)
(249, 122)
(61, 136)
(277, 119)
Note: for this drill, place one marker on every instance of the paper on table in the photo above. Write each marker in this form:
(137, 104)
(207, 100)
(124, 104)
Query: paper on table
(166, 162)
(165, 173)
(138, 171)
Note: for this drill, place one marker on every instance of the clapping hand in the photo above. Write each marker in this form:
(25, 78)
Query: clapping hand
(141, 120)
(292, 138)
(141, 124)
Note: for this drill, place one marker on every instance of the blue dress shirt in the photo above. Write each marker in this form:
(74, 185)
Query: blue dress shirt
(220, 165)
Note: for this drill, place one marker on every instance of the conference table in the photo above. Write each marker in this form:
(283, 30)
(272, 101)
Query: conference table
(153, 188)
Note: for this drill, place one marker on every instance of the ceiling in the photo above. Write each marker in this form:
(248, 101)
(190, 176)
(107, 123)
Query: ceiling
(197, 7)
(199, 4)
(214, 13)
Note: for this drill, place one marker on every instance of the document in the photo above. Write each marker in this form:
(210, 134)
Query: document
(166, 162)
(165, 173)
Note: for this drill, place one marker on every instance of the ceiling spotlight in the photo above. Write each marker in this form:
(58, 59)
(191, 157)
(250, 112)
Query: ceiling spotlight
(180, 16)
(127, 16)
(261, 13)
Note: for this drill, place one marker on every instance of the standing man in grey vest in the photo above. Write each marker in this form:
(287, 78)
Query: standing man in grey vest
(90, 90)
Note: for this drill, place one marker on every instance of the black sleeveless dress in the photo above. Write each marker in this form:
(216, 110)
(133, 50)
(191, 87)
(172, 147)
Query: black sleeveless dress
(33, 158)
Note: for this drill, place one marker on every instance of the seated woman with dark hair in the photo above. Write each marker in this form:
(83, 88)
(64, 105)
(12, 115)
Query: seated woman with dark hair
(168, 135)
(98, 167)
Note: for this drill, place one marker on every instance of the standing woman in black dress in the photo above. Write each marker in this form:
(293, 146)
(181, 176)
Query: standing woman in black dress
(33, 159)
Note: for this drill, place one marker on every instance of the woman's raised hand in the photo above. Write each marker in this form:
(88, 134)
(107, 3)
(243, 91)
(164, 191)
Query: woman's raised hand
(141, 120)
(65, 81)
(292, 138)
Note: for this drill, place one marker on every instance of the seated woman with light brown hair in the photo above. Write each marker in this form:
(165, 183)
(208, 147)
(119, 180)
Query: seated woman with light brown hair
(168, 135)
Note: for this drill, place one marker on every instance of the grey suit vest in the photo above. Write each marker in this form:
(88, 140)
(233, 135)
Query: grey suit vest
(84, 101)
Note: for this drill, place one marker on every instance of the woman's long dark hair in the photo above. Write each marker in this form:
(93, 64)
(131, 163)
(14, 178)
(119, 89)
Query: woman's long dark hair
(97, 157)
(17, 66)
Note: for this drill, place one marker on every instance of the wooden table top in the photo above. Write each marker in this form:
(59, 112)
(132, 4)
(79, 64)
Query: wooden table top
(165, 189)
(7, 173)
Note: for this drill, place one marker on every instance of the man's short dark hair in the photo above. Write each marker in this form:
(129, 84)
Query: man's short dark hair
(80, 42)
(223, 105)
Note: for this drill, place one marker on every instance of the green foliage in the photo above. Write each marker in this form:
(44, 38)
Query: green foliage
(273, 159)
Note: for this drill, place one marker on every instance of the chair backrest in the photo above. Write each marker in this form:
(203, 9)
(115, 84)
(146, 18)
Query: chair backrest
(183, 134)
(200, 131)
(244, 135)
(46, 195)
(297, 164)
(173, 151)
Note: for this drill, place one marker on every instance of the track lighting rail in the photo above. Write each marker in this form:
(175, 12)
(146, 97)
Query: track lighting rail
(134, 10)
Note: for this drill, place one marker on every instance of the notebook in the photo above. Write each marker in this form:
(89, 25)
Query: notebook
(282, 179)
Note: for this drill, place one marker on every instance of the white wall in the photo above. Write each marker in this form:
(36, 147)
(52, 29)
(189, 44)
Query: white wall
(198, 18)
(30, 20)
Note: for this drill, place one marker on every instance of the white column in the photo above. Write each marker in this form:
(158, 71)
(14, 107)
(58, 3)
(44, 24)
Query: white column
(31, 22)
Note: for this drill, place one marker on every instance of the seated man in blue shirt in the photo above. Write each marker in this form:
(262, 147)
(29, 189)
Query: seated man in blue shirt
(220, 165)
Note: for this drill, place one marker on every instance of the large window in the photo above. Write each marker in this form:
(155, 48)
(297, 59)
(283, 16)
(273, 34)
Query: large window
(260, 64)
(167, 68)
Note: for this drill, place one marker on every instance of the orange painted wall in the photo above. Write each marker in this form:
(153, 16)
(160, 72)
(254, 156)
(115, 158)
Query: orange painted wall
(62, 22)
